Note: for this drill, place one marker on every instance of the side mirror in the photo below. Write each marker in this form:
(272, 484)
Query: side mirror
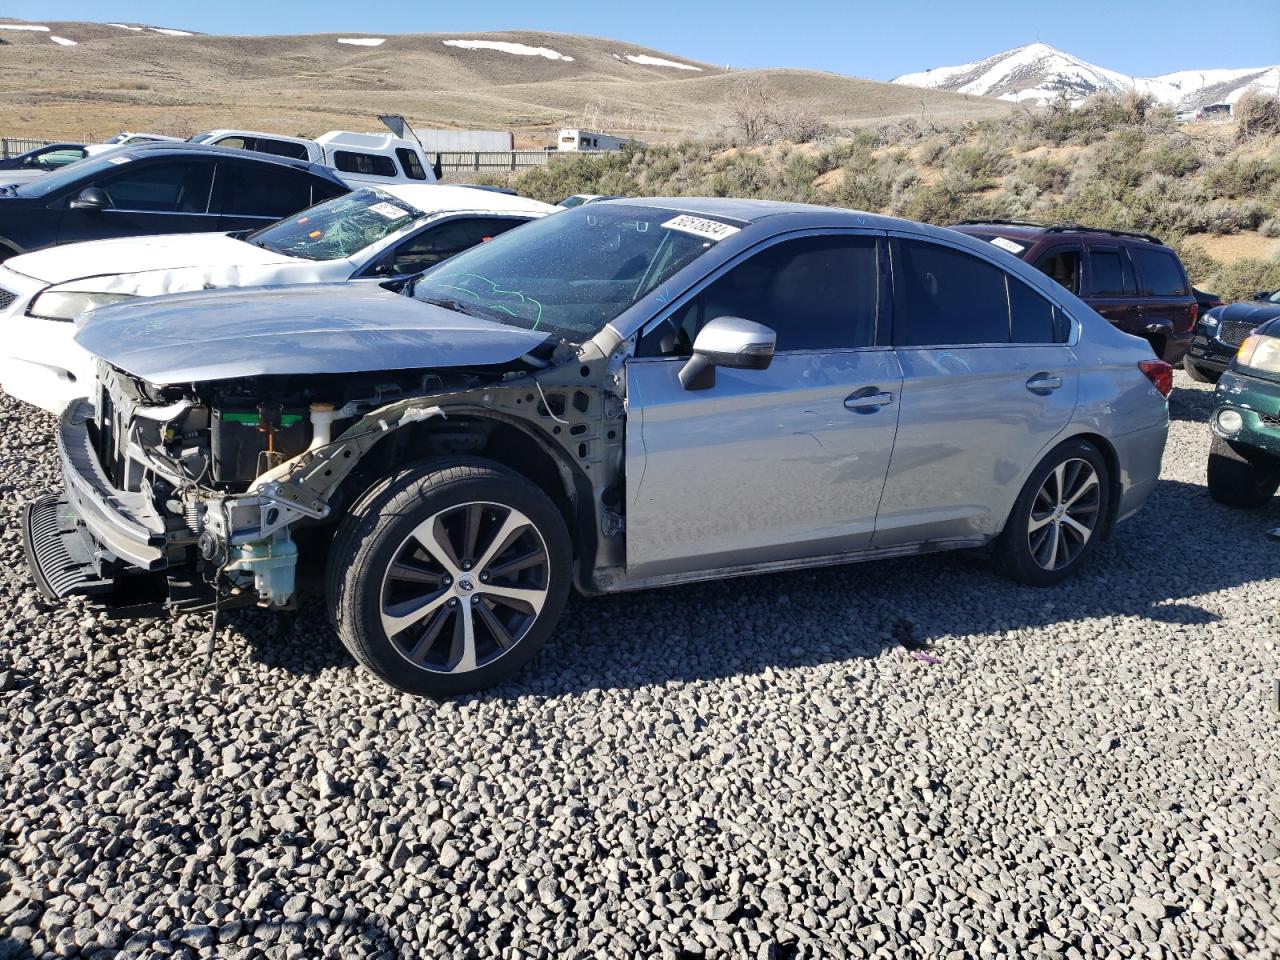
(91, 198)
(727, 342)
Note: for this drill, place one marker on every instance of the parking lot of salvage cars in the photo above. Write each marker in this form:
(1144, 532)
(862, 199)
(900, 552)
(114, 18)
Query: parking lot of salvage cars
(915, 757)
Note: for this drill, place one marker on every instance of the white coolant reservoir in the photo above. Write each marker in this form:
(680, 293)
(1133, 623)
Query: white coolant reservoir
(322, 415)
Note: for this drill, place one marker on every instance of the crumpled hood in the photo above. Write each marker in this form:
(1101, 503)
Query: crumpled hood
(311, 329)
(130, 258)
(1254, 313)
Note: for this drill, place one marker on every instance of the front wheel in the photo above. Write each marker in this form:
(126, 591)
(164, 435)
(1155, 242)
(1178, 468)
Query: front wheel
(1058, 518)
(1199, 374)
(450, 579)
(1240, 476)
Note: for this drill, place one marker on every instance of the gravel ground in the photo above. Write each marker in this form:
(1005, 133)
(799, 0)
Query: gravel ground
(767, 768)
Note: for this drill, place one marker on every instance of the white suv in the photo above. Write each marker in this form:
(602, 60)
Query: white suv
(359, 158)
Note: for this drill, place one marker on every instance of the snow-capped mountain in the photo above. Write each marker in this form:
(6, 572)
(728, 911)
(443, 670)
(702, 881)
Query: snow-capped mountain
(1039, 73)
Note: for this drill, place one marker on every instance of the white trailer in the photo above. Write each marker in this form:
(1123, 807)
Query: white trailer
(570, 139)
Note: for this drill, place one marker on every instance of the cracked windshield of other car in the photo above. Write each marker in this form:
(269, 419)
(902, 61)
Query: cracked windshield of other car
(338, 228)
(571, 273)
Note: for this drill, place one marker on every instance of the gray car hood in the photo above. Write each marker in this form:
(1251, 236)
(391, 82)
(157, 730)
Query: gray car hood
(317, 328)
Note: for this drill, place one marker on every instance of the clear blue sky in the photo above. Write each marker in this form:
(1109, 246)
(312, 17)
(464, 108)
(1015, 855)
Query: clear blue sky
(877, 39)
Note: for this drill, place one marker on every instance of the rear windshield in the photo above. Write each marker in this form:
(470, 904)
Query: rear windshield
(338, 228)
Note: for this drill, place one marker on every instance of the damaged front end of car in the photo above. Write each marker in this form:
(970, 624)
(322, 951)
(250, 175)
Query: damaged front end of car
(182, 498)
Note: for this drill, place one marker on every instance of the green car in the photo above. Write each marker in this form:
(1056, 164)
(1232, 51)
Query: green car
(1244, 460)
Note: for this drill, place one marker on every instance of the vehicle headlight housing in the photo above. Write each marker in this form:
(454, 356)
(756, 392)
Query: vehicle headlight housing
(67, 305)
(1260, 353)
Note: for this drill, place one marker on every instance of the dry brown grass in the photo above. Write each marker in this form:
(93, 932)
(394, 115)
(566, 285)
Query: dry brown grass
(116, 80)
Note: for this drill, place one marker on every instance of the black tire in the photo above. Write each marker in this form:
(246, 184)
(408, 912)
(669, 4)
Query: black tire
(1014, 555)
(1199, 374)
(456, 496)
(1241, 476)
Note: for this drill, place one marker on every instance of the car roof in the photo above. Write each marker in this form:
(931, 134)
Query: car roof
(1030, 232)
(183, 148)
(437, 198)
(776, 212)
(223, 131)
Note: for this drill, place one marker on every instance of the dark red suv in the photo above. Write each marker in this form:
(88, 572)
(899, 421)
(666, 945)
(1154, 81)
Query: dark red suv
(1132, 279)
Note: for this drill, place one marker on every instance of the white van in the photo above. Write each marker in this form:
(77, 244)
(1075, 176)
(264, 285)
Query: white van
(359, 158)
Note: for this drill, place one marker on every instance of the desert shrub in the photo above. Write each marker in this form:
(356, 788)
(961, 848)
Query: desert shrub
(1256, 115)
(1242, 278)
(1201, 267)
(931, 151)
(1173, 159)
(1270, 227)
(594, 173)
(1249, 177)
(1045, 174)
(756, 113)
(978, 162)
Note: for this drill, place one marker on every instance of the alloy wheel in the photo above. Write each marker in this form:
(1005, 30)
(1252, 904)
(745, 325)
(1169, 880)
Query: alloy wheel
(1064, 514)
(465, 587)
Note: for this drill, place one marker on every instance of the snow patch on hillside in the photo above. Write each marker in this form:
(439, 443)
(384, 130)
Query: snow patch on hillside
(649, 61)
(170, 33)
(503, 46)
(363, 41)
(62, 41)
(23, 26)
(125, 26)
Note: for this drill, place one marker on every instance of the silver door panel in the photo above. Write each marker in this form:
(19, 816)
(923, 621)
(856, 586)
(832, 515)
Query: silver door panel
(972, 423)
(766, 466)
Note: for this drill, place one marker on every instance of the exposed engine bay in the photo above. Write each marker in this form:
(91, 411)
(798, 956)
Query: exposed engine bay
(230, 474)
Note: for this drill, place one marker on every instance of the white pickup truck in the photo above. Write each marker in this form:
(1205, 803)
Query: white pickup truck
(360, 158)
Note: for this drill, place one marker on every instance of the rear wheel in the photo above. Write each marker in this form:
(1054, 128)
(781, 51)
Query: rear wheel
(1058, 518)
(1241, 476)
(1199, 374)
(450, 579)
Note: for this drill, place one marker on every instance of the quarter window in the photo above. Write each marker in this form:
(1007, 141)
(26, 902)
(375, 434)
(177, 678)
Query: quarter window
(1112, 273)
(1160, 272)
(943, 296)
(816, 293)
(411, 164)
(370, 164)
(161, 187)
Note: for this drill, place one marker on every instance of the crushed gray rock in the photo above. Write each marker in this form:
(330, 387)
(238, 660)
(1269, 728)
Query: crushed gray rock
(708, 771)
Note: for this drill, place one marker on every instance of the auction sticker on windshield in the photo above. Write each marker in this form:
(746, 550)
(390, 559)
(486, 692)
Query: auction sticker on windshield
(701, 227)
(388, 210)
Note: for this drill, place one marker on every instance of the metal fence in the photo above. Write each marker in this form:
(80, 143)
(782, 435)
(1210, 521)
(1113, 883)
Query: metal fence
(473, 161)
(480, 161)
(13, 146)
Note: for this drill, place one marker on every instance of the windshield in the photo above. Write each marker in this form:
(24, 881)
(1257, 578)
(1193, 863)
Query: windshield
(72, 173)
(573, 272)
(338, 228)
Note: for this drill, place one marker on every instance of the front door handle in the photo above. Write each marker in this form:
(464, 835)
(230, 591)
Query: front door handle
(1043, 383)
(866, 403)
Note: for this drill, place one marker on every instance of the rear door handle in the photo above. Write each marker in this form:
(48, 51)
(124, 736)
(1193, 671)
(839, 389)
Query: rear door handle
(1043, 383)
(867, 402)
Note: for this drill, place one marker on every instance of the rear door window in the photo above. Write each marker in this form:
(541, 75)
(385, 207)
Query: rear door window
(282, 148)
(369, 164)
(1111, 273)
(172, 186)
(943, 296)
(1160, 272)
(251, 190)
(1032, 318)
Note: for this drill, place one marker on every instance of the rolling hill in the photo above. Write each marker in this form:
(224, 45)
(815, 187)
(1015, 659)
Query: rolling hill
(89, 80)
(1039, 73)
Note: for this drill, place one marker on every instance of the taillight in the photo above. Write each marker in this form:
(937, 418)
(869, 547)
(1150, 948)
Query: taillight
(1159, 373)
(1194, 315)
